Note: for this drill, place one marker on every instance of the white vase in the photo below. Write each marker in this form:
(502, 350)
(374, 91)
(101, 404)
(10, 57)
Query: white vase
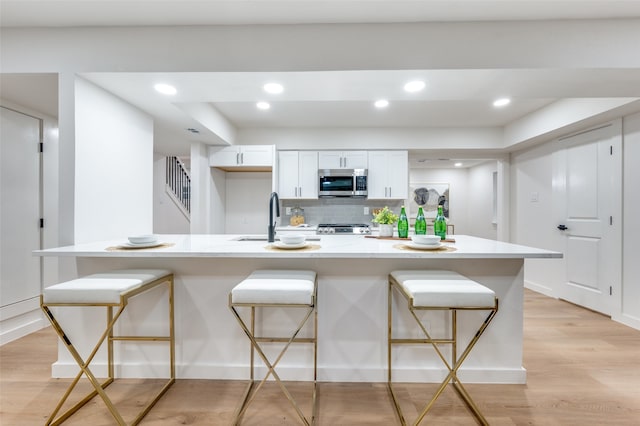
(386, 230)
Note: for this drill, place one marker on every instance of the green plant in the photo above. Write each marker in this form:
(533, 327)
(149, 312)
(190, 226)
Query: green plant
(385, 217)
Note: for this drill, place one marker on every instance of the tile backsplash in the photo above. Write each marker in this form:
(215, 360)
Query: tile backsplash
(337, 210)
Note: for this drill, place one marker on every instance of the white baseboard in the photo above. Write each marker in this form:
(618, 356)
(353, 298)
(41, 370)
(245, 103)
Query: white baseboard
(20, 319)
(627, 320)
(25, 328)
(539, 288)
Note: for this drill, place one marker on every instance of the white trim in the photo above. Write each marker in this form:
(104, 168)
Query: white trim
(539, 288)
(20, 319)
(627, 320)
(176, 201)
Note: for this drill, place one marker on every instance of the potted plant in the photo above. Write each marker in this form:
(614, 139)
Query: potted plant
(386, 219)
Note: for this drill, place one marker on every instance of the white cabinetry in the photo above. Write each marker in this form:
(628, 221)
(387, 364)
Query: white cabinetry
(298, 174)
(243, 157)
(342, 160)
(388, 175)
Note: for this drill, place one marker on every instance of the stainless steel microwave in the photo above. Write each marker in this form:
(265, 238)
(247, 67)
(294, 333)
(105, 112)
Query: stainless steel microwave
(342, 183)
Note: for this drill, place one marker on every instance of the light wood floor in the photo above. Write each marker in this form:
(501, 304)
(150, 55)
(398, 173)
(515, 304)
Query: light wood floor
(583, 369)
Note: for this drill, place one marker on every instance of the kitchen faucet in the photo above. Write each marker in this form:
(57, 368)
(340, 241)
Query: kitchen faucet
(272, 223)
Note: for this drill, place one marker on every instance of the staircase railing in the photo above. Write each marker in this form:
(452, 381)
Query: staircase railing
(179, 184)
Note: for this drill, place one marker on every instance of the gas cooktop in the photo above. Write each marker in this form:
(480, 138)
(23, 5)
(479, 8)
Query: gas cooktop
(343, 228)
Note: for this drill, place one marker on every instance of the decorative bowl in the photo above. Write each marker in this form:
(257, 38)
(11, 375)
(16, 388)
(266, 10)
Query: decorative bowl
(292, 238)
(425, 239)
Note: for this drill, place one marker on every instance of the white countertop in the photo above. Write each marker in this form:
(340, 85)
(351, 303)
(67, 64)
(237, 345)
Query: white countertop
(341, 246)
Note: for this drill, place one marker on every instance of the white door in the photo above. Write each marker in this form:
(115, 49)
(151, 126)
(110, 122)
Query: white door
(19, 206)
(588, 199)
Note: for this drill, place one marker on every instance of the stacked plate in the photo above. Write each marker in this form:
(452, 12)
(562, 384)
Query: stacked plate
(425, 242)
(291, 241)
(143, 241)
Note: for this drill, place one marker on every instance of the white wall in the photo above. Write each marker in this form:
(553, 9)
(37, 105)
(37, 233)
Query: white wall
(247, 202)
(533, 222)
(458, 192)
(373, 138)
(167, 216)
(630, 312)
(113, 166)
(480, 211)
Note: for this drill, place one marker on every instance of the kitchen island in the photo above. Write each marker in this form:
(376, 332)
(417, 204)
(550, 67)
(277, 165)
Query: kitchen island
(352, 306)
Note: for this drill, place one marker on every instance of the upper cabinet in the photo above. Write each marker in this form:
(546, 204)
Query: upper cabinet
(342, 160)
(257, 158)
(388, 175)
(298, 174)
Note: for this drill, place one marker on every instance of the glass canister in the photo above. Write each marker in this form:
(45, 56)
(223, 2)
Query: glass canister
(297, 216)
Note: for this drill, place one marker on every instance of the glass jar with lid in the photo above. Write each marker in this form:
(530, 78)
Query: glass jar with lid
(297, 216)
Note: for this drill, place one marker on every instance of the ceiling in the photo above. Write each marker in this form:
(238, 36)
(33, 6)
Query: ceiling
(60, 13)
(338, 99)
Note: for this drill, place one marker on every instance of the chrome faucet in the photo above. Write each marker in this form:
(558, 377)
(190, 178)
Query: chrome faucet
(272, 223)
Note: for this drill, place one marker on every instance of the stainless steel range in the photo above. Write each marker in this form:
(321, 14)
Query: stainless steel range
(344, 229)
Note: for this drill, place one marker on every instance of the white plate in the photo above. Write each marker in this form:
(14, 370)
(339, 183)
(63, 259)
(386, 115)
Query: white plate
(423, 246)
(282, 245)
(143, 245)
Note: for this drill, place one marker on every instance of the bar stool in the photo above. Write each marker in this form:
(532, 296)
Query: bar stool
(440, 290)
(111, 290)
(276, 289)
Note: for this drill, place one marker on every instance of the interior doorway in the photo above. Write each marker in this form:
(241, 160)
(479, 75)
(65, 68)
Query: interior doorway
(21, 207)
(588, 205)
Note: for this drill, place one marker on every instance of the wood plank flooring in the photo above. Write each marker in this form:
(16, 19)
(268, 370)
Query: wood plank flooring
(583, 369)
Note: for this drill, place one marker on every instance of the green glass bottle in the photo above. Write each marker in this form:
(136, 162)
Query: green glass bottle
(421, 223)
(440, 224)
(403, 224)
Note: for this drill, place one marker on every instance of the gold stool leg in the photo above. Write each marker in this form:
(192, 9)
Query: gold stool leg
(453, 370)
(108, 335)
(271, 366)
(452, 376)
(84, 369)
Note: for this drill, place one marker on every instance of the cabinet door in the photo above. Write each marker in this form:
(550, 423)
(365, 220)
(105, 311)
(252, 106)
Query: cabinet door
(224, 157)
(330, 160)
(398, 174)
(377, 178)
(308, 174)
(288, 174)
(388, 175)
(256, 155)
(354, 160)
(342, 160)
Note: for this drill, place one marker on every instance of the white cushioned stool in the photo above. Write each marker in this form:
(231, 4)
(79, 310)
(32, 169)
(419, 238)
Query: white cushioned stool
(110, 290)
(276, 289)
(439, 290)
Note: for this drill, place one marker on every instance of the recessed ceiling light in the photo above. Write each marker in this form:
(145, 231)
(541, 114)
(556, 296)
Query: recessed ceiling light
(458, 164)
(273, 88)
(501, 102)
(165, 89)
(381, 103)
(263, 105)
(414, 86)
